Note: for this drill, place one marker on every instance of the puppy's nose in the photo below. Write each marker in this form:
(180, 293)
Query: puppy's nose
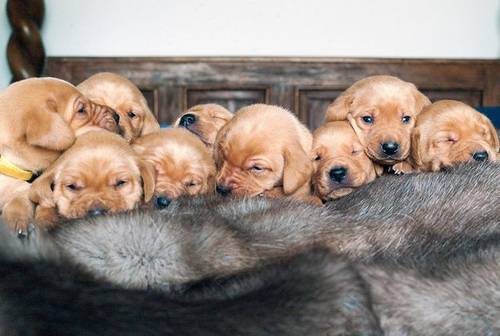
(480, 156)
(390, 148)
(116, 116)
(223, 190)
(96, 212)
(161, 202)
(338, 174)
(187, 120)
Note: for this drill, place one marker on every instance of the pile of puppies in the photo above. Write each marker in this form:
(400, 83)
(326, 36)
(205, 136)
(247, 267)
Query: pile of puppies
(99, 149)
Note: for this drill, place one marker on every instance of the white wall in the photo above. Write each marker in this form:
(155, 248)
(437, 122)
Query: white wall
(360, 28)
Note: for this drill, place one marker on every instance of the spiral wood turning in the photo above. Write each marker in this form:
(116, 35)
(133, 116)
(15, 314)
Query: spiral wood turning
(25, 51)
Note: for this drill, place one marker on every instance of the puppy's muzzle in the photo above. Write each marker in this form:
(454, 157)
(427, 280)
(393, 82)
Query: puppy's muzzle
(161, 202)
(223, 190)
(96, 212)
(480, 156)
(187, 120)
(338, 174)
(390, 148)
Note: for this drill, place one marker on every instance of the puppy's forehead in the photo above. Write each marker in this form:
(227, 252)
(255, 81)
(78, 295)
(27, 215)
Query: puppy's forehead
(397, 95)
(334, 133)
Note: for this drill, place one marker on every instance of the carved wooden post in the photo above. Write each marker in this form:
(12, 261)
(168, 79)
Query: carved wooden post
(25, 51)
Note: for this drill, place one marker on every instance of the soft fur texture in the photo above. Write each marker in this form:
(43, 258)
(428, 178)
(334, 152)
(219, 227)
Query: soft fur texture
(450, 132)
(183, 164)
(39, 119)
(119, 93)
(392, 106)
(204, 121)
(423, 261)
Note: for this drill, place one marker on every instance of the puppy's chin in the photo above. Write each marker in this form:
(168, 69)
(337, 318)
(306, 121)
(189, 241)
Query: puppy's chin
(337, 193)
(384, 159)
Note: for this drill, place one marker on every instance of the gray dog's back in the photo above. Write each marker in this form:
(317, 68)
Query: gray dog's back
(425, 248)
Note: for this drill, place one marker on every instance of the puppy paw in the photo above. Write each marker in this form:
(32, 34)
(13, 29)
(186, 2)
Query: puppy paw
(401, 168)
(46, 218)
(17, 215)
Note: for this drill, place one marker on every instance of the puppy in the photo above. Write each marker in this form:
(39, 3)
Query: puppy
(99, 174)
(264, 150)
(182, 163)
(450, 132)
(40, 118)
(340, 163)
(204, 121)
(119, 93)
(382, 110)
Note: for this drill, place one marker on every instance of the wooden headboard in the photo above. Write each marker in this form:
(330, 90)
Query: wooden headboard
(304, 85)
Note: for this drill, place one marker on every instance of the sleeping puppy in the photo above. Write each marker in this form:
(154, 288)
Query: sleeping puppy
(204, 121)
(450, 132)
(340, 163)
(382, 110)
(182, 163)
(99, 174)
(40, 118)
(264, 150)
(119, 93)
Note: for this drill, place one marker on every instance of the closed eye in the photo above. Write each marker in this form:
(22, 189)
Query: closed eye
(73, 187)
(257, 169)
(120, 183)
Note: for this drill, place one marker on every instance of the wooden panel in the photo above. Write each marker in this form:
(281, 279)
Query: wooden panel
(312, 104)
(232, 99)
(471, 97)
(151, 96)
(304, 85)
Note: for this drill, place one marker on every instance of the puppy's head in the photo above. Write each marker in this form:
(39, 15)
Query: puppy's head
(61, 97)
(450, 132)
(204, 121)
(262, 148)
(119, 93)
(340, 163)
(182, 163)
(382, 110)
(99, 174)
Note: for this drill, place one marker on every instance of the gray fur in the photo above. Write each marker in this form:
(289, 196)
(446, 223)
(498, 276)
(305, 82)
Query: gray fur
(425, 247)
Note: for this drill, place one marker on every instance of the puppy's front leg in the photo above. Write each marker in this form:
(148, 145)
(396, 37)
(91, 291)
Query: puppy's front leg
(46, 217)
(403, 167)
(18, 213)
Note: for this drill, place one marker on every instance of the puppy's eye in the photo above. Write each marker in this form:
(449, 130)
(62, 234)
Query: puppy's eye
(367, 119)
(120, 183)
(190, 184)
(406, 119)
(356, 151)
(317, 158)
(73, 187)
(81, 109)
(257, 169)
(131, 115)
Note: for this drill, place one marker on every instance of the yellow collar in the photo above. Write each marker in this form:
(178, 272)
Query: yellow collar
(10, 169)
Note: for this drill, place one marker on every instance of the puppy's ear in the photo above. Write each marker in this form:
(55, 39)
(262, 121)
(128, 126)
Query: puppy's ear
(417, 147)
(42, 190)
(297, 170)
(421, 100)
(339, 109)
(150, 125)
(492, 132)
(148, 176)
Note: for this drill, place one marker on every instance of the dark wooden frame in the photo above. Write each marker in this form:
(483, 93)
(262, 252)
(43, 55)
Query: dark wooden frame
(304, 85)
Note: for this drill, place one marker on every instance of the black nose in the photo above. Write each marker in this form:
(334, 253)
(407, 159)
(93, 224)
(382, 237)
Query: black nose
(161, 202)
(96, 212)
(480, 156)
(338, 174)
(116, 116)
(187, 120)
(390, 148)
(223, 190)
